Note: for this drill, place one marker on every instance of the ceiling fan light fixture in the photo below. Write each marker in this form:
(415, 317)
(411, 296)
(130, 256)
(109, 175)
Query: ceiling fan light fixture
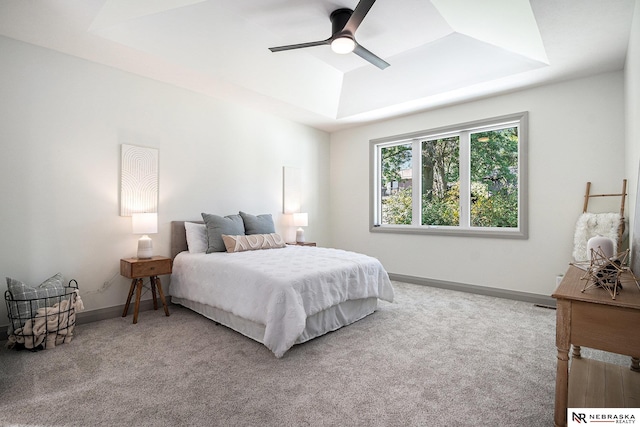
(344, 23)
(343, 45)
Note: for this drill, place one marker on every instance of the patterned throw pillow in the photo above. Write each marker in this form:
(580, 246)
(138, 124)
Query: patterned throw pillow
(252, 242)
(27, 300)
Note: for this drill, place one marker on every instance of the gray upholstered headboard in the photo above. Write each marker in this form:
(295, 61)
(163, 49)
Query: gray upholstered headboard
(179, 237)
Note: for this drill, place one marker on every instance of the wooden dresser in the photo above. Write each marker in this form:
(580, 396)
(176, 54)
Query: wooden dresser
(593, 319)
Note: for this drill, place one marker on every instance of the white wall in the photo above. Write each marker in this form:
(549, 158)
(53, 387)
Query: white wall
(62, 122)
(632, 107)
(576, 134)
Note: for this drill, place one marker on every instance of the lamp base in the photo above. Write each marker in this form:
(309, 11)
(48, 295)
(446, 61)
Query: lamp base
(145, 247)
(300, 235)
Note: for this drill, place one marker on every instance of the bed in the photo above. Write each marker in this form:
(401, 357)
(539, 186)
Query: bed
(278, 297)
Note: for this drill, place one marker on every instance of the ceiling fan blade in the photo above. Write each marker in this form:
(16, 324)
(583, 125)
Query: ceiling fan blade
(368, 56)
(299, 46)
(358, 15)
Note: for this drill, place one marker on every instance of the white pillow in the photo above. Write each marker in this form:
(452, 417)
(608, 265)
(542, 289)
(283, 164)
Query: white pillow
(197, 240)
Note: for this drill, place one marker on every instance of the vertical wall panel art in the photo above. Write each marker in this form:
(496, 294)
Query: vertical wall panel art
(138, 180)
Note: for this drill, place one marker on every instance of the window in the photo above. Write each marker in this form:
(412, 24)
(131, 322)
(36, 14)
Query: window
(468, 179)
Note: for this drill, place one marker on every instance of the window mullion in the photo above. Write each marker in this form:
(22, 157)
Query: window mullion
(465, 180)
(377, 178)
(416, 183)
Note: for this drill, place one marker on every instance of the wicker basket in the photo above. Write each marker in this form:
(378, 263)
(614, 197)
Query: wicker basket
(51, 322)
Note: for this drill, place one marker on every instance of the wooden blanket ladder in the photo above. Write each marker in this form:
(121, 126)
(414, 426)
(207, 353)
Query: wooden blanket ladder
(622, 195)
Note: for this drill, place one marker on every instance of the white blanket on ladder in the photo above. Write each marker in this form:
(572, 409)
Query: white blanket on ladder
(594, 224)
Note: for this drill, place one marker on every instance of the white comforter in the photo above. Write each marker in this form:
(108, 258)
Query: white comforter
(279, 288)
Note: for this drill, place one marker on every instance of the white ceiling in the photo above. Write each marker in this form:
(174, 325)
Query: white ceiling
(441, 51)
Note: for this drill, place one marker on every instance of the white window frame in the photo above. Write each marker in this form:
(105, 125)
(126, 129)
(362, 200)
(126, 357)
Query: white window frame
(463, 130)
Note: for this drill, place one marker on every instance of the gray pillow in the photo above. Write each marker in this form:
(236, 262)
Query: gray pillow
(27, 300)
(217, 226)
(261, 224)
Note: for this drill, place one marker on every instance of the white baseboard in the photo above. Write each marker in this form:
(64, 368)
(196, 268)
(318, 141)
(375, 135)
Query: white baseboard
(84, 317)
(537, 299)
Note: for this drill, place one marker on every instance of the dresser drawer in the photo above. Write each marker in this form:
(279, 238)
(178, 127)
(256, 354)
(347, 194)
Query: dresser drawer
(135, 268)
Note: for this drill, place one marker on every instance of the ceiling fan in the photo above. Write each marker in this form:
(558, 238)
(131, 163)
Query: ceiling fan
(344, 23)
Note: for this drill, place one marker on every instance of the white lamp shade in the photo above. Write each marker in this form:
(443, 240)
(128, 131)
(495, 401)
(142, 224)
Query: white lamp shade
(144, 223)
(301, 219)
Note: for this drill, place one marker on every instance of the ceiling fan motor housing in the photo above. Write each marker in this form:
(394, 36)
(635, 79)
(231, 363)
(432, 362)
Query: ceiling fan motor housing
(339, 19)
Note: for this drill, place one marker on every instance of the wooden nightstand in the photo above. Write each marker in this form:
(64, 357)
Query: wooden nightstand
(138, 269)
(302, 243)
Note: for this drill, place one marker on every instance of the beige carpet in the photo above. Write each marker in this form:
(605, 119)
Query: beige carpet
(432, 358)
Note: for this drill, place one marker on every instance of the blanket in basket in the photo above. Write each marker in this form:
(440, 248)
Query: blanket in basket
(50, 326)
